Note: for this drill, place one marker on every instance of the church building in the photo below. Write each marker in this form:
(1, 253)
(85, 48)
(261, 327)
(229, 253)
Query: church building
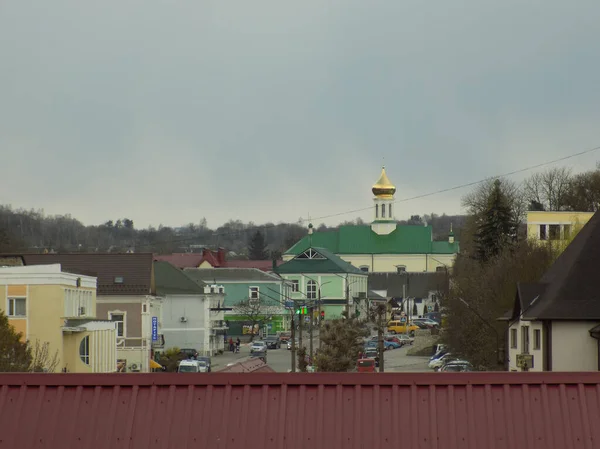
(384, 246)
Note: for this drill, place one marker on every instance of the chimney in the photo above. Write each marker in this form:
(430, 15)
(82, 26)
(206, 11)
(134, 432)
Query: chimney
(221, 256)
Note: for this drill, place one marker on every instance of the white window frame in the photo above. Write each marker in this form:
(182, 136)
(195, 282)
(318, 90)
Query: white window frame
(537, 339)
(514, 338)
(295, 285)
(310, 294)
(85, 356)
(364, 268)
(254, 289)
(13, 300)
(119, 312)
(400, 268)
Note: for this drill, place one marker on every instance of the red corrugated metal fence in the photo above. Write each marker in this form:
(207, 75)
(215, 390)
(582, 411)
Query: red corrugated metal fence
(332, 411)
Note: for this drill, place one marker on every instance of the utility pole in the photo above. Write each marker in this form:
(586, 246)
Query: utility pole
(347, 298)
(319, 316)
(300, 325)
(310, 330)
(293, 337)
(381, 349)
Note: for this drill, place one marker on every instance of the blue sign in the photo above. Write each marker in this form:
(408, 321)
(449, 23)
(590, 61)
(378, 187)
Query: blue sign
(289, 304)
(269, 326)
(154, 328)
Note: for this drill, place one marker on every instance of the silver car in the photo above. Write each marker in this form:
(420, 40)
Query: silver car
(258, 346)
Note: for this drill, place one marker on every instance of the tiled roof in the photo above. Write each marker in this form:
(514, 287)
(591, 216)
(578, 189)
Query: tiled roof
(572, 284)
(320, 410)
(360, 239)
(331, 264)
(210, 275)
(172, 280)
(134, 268)
(418, 285)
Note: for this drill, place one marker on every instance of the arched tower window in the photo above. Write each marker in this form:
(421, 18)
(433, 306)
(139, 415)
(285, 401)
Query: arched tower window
(377, 211)
(383, 211)
(390, 210)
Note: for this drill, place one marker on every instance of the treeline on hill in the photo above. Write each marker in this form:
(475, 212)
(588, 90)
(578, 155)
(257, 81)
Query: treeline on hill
(33, 231)
(495, 256)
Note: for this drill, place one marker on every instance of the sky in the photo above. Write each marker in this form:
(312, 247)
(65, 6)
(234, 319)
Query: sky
(166, 112)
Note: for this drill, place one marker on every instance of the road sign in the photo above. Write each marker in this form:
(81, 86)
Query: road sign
(154, 328)
(403, 319)
(269, 326)
(289, 304)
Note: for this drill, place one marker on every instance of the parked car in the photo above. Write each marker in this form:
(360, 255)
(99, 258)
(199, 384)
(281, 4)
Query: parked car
(206, 360)
(395, 339)
(396, 327)
(273, 342)
(365, 365)
(192, 366)
(289, 344)
(434, 316)
(189, 353)
(391, 344)
(405, 339)
(258, 346)
(426, 323)
(436, 364)
(457, 366)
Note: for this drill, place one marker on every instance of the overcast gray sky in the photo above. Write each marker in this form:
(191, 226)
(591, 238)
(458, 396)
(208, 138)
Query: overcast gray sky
(170, 111)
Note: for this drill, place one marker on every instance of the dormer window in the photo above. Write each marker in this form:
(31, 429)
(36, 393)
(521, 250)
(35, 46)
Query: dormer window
(221, 290)
(401, 269)
(119, 279)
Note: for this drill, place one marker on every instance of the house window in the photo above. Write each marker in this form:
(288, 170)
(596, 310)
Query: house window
(554, 232)
(513, 338)
(17, 307)
(537, 338)
(525, 339)
(119, 318)
(383, 211)
(84, 350)
(566, 232)
(254, 293)
(295, 285)
(390, 210)
(311, 290)
(119, 279)
(221, 290)
(377, 211)
(440, 268)
(543, 234)
(401, 269)
(364, 268)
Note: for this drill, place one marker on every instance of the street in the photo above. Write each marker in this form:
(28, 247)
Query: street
(280, 360)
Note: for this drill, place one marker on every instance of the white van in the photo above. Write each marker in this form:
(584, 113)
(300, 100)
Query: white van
(192, 366)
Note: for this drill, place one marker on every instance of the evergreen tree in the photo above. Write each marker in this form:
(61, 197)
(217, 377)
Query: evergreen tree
(341, 343)
(497, 228)
(257, 247)
(415, 310)
(436, 308)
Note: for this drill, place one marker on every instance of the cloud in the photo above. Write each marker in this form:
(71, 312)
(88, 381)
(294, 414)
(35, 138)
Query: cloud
(166, 112)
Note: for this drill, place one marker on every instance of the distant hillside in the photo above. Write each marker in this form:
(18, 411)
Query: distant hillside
(32, 231)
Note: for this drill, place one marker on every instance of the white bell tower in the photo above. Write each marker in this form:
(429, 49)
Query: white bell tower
(384, 221)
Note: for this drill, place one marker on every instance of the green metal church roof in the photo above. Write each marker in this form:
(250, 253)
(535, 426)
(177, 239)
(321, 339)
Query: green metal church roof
(330, 263)
(360, 239)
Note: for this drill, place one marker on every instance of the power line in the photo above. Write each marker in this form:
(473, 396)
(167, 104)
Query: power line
(403, 200)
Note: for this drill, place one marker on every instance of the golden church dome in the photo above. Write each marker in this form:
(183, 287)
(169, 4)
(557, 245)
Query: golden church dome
(384, 188)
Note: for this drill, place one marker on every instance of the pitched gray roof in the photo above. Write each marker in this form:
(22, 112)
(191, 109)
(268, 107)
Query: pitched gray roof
(171, 280)
(571, 286)
(418, 285)
(210, 275)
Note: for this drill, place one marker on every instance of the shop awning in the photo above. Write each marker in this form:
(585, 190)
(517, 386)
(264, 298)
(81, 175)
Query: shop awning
(155, 365)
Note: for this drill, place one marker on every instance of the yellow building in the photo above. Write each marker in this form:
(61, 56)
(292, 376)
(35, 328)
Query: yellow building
(553, 225)
(57, 308)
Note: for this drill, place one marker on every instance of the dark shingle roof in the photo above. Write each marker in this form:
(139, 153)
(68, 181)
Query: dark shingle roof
(418, 285)
(572, 284)
(210, 275)
(171, 280)
(331, 264)
(135, 269)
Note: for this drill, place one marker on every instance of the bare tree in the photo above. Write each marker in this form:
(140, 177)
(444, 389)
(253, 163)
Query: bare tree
(252, 312)
(42, 360)
(548, 190)
(476, 202)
